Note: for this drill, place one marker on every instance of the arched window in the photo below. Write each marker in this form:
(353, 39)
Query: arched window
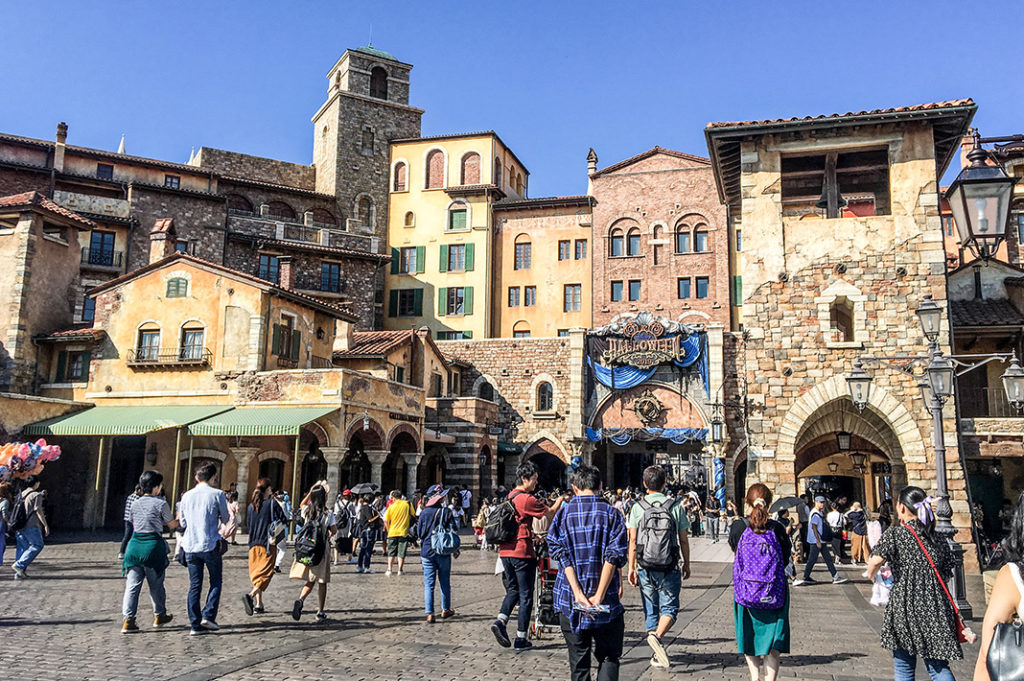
(486, 391)
(280, 209)
(682, 238)
(239, 204)
(519, 184)
(147, 347)
(633, 242)
(400, 177)
(458, 216)
(700, 239)
(192, 335)
(523, 253)
(410, 219)
(615, 240)
(366, 212)
(841, 320)
(497, 172)
(521, 330)
(323, 216)
(470, 169)
(545, 397)
(379, 83)
(435, 169)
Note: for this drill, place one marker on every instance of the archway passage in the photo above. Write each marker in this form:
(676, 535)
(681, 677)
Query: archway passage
(355, 468)
(394, 473)
(432, 468)
(550, 466)
(314, 467)
(273, 470)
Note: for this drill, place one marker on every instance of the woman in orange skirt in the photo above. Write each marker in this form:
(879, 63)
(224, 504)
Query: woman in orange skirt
(263, 513)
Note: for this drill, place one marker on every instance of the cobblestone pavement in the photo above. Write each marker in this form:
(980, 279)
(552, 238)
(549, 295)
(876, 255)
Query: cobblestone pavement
(64, 623)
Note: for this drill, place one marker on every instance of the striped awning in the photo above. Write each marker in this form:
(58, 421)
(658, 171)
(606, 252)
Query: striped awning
(257, 421)
(123, 420)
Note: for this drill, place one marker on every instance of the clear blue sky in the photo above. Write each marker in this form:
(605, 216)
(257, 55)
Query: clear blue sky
(552, 78)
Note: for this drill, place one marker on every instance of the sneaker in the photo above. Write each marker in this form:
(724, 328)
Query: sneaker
(387, 573)
(19, 573)
(277, 570)
(658, 665)
(659, 650)
(839, 580)
(400, 573)
(258, 610)
(247, 603)
(500, 633)
(359, 570)
(161, 620)
(801, 582)
(351, 561)
(197, 632)
(297, 610)
(369, 571)
(522, 644)
(129, 626)
(321, 615)
(209, 625)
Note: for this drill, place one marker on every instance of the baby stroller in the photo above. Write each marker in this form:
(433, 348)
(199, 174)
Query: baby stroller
(545, 619)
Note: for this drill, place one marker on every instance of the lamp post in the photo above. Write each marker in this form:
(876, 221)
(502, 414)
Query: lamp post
(937, 386)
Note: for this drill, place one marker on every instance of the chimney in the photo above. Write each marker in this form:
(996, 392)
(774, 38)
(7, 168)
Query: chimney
(344, 336)
(284, 272)
(591, 169)
(58, 150)
(162, 239)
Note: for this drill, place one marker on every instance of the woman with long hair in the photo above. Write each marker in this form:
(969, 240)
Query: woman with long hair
(919, 619)
(437, 569)
(263, 512)
(315, 512)
(230, 528)
(761, 591)
(1008, 592)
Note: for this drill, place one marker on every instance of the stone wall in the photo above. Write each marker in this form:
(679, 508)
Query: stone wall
(16, 181)
(199, 218)
(258, 168)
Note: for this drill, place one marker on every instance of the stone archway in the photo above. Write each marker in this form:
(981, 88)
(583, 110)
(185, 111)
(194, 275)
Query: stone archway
(551, 460)
(433, 468)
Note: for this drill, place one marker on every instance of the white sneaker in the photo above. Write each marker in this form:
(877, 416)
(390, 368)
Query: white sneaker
(799, 582)
(209, 625)
(839, 580)
(658, 665)
(369, 571)
(400, 573)
(387, 573)
(660, 654)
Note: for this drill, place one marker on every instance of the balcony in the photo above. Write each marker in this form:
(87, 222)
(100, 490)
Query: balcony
(985, 403)
(287, 363)
(986, 417)
(307, 233)
(104, 259)
(188, 357)
(322, 363)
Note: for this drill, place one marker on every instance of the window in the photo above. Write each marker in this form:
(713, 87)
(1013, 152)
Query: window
(581, 249)
(633, 242)
(287, 340)
(104, 171)
(379, 83)
(737, 289)
(239, 204)
(702, 287)
(545, 397)
(73, 366)
(486, 391)
(564, 250)
(616, 291)
(456, 257)
(401, 173)
(177, 287)
(572, 296)
(410, 219)
(615, 243)
(407, 303)
(739, 239)
(407, 261)
(280, 209)
(89, 309)
(836, 184)
(1017, 218)
(700, 240)
(435, 170)
(366, 212)
(634, 289)
(191, 343)
(454, 335)
(683, 287)
(470, 172)
(513, 296)
(529, 296)
(563, 332)
(683, 238)
(101, 248)
(841, 321)
(269, 270)
(367, 141)
(148, 348)
(181, 246)
(456, 300)
(523, 252)
(520, 334)
(521, 330)
(330, 277)
(457, 219)
(497, 172)
(172, 181)
(399, 374)
(435, 385)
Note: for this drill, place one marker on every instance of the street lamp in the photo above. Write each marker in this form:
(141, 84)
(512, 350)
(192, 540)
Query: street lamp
(1013, 384)
(843, 439)
(930, 316)
(858, 459)
(859, 382)
(717, 429)
(940, 376)
(833, 467)
(980, 200)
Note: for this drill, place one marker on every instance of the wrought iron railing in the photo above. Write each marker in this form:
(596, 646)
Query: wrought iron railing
(104, 257)
(322, 362)
(985, 403)
(287, 363)
(188, 355)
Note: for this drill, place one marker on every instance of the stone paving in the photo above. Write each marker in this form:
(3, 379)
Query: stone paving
(64, 623)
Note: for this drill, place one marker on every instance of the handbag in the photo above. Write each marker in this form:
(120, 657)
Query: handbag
(1005, 660)
(963, 632)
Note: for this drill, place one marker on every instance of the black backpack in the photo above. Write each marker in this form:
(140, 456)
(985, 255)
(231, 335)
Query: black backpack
(18, 517)
(311, 543)
(503, 522)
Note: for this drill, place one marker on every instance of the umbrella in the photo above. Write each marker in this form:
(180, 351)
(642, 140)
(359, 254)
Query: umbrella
(791, 502)
(365, 488)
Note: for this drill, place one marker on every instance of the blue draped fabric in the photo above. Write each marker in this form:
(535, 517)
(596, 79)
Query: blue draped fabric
(696, 347)
(718, 476)
(620, 378)
(622, 436)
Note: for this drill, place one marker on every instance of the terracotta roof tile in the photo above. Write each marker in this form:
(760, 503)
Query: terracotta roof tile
(647, 154)
(999, 312)
(874, 112)
(374, 343)
(74, 333)
(34, 198)
(546, 202)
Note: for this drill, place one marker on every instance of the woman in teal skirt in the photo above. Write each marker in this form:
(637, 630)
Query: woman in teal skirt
(762, 635)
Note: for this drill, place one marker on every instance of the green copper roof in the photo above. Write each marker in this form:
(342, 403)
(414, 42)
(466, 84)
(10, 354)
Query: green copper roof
(123, 420)
(375, 52)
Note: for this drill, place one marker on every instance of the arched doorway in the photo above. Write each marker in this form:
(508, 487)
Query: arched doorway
(551, 467)
(394, 473)
(314, 467)
(187, 474)
(433, 467)
(484, 463)
(355, 468)
(273, 469)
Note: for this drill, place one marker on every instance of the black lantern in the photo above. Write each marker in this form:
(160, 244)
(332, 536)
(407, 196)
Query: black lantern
(833, 467)
(858, 459)
(941, 373)
(843, 440)
(717, 430)
(930, 316)
(859, 382)
(1013, 384)
(980, 200)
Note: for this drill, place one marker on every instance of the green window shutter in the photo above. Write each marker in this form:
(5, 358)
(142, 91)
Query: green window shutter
(737, 289)
(467, 301)
(417, 302)
(469, 257)
(421, 258)
(392, 303)
(395, 257)
(457, 219)
(296, 343)
(86, 358)
(442, 302)
(275, 346)
(444, 258)
(62, 360)
(467, 334)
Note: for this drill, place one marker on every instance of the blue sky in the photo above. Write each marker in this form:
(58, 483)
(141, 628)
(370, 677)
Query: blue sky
(552, 78)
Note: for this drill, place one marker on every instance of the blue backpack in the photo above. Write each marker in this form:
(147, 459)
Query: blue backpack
(444, 540)
(758, 576)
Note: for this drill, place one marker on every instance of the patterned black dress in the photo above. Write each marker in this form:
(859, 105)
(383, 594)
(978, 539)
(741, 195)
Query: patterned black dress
(919, 618)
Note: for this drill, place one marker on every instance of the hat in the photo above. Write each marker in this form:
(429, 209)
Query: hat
(820, 498)
(435, 494)
(347, 493)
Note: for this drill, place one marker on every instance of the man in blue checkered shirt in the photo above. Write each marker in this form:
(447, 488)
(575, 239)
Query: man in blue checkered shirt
(587, 540)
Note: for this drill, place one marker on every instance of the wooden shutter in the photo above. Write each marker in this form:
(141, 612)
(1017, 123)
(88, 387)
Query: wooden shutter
(417, 302)
(457, 219)
(393, 303)
(442, 302)
(86, 358)
(444, 258)
(467, 300)
(296, 343)
(62, 361)
(395, 260)
(469, 257)
(275, 346)
(421, 258)
(737, 290)
(467, 334)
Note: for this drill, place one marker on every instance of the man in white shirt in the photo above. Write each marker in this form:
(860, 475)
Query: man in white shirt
(201, 511)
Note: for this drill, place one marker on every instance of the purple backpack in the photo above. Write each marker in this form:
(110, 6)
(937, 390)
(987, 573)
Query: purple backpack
(757, 574)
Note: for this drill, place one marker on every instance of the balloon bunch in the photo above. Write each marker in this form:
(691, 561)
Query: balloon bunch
(22, 459)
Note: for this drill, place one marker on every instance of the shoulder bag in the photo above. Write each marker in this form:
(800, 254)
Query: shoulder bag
(1005, 659)
(963, 632)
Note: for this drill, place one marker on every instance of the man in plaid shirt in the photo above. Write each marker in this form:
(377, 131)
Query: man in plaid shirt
(587, 539)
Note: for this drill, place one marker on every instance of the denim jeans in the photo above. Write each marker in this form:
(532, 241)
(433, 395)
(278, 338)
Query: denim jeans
(604, 642)
(136, 575)
(366, 542)
(904, 665)
(520, 575)
(712, 521)
(212, 562)
(30, 543)
(659, 592)
(812, 558)
(437, 569)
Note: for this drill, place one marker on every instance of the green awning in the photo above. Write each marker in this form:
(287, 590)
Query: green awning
(255, 421)
(508, 448)
(123, 420)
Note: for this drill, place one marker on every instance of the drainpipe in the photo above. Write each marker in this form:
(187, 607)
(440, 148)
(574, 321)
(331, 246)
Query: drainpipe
(96, 486)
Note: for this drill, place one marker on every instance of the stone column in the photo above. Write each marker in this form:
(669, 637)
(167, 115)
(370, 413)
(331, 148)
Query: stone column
(412, 464)
(512, 462)
(243, 455)
(333, 457)
(376, 457)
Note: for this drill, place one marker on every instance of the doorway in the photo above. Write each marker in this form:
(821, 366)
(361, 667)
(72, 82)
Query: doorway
(127, 458)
